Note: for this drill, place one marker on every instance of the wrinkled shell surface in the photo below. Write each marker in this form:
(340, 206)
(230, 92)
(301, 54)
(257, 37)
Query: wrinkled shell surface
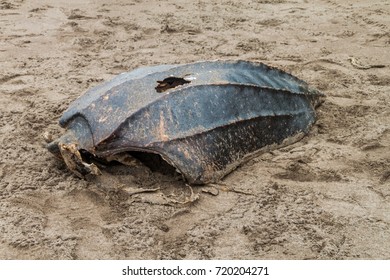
(203, 118)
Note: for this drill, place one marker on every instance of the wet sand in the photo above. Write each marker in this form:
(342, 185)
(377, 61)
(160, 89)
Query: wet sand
(325, 197)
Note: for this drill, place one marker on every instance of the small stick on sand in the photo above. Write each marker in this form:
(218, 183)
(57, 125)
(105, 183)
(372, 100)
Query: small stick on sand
(355, 63)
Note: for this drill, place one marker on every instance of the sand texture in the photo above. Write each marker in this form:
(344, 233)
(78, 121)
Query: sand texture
(325, 197)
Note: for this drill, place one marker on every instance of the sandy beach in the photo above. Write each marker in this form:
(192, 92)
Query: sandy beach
(324, 197)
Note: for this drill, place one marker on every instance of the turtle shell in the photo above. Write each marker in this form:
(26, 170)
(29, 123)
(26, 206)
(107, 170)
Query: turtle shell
(203, 118)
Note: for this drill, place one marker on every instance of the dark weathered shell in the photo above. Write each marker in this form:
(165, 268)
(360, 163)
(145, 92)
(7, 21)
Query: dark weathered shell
(203, 118)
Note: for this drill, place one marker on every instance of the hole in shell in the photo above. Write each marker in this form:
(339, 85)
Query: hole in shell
(170, 82)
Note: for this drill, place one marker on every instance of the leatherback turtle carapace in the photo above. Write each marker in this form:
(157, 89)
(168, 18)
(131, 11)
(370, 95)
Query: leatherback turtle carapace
(203, 118)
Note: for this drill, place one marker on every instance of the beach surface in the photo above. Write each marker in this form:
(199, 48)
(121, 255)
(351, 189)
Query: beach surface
(324, 197)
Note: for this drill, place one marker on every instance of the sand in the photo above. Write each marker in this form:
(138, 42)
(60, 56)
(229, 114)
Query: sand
(325, 197)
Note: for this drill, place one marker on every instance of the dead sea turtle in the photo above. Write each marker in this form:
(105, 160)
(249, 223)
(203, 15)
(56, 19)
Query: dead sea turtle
(203, 118)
